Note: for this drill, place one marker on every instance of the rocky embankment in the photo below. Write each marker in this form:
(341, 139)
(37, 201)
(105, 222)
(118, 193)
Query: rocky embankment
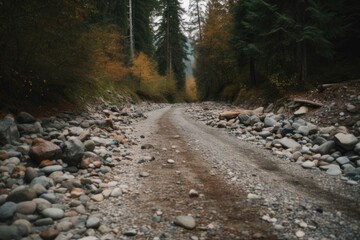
(332, 149)
(54, 170)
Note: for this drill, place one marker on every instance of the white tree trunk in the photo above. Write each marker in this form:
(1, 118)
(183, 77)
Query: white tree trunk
(131, 26)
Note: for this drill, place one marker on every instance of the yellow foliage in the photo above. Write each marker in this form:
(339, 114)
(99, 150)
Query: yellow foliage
(283, 83)
(190, 90)
(106, 53)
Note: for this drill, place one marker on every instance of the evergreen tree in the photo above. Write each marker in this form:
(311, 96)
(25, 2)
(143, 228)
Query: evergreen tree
(171, 48)
(197, 19)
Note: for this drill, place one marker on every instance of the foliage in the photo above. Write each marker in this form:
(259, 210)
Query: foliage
(170, 42)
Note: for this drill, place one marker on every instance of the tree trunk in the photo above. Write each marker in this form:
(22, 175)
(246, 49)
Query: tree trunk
(252, 72)
(199, 20)
(131, 27)
(303, 62)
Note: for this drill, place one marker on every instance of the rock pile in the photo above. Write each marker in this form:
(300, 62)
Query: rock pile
(52, 169)
(332, 149)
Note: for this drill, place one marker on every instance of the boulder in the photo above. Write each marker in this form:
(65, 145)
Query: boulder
(9, 133)
(346, 141)
(42, 149)
(26, 194)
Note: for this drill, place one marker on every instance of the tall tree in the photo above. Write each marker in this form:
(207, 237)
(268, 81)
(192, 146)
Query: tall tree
(171, 48)
(197, 19)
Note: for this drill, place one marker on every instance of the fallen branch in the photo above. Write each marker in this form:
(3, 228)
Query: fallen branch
(308, 102)
(236, 112)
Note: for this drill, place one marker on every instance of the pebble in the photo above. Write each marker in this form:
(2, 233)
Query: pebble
(300, 234)
(54, 213)
(170, 161)
(187, 222)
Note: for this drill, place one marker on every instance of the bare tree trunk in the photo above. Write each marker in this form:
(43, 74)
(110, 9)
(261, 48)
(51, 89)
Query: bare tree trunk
(199, 19)
(301, 49)
(168, 45)
(131, 27)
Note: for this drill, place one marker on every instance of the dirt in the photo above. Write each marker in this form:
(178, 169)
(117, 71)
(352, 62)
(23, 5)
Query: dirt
(224, 171)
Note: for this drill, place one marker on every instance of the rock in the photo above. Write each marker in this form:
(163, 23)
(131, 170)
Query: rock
(269, 122)
(144, 174)
(73, 151)
(44, 181)
(97, 197)
(77, 192)
(187, 222)
(342, 160)
(24, 227)
(42, 150)
(333, 170)
(116, 192)
(170, 161)
(30, 174)
(50, 169)
(130, 233)
(26, 194)
(10, 232)
(357, 148)
(24, 117)
(244, 119)
(89, 238)
(265, 134)
(9, 133)
(28, 207)
(300, 234)
(346, 141)
(44, 222)
(147, 146)
(325, 148)
(351, 108)
(89, 145)
(4, 155)
(7, 210)
(289, 143)
(54, 213)
(49, 234)
(193, 193)
(304, 130)
(301, 111)
(30, 128)
(308, 164)
(92, 222)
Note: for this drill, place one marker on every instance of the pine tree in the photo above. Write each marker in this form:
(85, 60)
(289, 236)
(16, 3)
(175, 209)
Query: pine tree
(171, 48)
(197, 19)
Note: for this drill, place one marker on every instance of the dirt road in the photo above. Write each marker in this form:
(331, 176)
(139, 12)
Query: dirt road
(244, 192)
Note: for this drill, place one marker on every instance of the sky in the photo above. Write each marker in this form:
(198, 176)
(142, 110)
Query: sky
(185, 6)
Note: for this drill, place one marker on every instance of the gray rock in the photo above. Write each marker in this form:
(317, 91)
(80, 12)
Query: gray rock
(44, 181)
(9, 133)
(342, 160)
(333, 170)
(346, 141)
(54, 213)
(308, 164)
(93, 222)
(304, 130)
(30, 128)
(76, 131)
(325, 148)
(51, 169)
(254, 119)
(89, 145)
(269, 122)
(187, 222)
(7, 210)
(73, 151)
(64, 226)
(265, 134)
(289, 143)
(130, 233)
(10, 232)
(244, 119)
(24, 227)
(44, 150)
(28, 207)
(24, 117)
(89, 238)
(51, 197)
(26, 194)
(44, 222)
(357, 148)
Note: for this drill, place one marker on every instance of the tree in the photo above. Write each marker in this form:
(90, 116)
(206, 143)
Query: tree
(170, 41)
(197, 19)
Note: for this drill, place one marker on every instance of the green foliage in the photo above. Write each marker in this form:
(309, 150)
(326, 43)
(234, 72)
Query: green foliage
(170, 42)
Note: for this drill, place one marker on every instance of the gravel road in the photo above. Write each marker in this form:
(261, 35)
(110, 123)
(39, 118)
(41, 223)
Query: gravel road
(232, 189)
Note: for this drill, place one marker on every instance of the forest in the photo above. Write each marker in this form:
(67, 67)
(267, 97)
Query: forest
(81, 49)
